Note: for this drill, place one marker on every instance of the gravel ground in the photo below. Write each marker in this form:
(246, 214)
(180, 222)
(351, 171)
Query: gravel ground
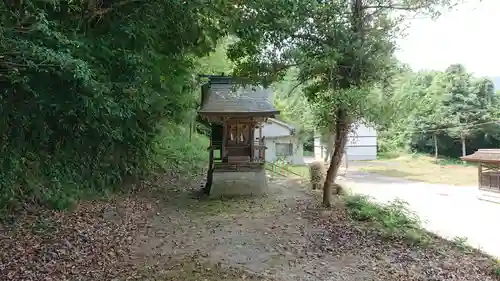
(284, 236)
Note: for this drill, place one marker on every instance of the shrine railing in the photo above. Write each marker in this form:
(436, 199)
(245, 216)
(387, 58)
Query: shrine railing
(258, 155)
(283, 168)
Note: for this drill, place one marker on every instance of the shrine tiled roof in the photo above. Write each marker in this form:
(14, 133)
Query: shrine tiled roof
(224, 97)
(483, 156)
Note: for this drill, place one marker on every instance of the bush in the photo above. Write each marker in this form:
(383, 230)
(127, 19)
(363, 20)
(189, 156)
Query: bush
(59, 182)
(393, 220)
(84, 96)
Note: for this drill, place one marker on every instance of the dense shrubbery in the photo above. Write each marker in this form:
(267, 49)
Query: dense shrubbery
(86, 89)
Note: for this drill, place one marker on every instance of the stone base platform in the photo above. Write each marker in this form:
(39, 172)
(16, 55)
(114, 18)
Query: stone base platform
(239, 183)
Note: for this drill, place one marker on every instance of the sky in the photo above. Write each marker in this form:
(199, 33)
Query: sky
(470, 35)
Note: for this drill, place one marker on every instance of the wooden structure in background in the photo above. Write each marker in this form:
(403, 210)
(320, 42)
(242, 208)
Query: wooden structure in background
(488, 161)
(234, 112)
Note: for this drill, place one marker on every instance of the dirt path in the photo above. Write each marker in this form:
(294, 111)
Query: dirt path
(267, 236)
(286, 237)
(282, 237)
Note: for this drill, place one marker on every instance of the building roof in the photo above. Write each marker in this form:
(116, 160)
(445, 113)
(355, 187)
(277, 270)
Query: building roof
(284, 124)
(491, 156)
(276, 129)
(224, 97)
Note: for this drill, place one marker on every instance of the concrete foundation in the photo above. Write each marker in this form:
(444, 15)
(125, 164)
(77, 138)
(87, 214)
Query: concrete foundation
(239, 183)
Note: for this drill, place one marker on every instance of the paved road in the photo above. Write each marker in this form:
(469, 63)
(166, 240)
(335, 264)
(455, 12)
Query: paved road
(449, 211)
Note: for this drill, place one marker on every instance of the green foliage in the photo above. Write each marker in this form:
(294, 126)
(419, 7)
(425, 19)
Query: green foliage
(421, 106)
(217, 61)
(462, 244)
(86, 88)
(465, 101)
(340, 48)
(175, 152)
(447, 161)
(294, 107)
(338, 51)
(319, 41)
(308, 152)
(495, 269)
(288, 98)
(388, 153)
(393, 220)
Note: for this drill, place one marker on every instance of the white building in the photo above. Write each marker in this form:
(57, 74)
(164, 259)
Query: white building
(281, 142)
(361, 145)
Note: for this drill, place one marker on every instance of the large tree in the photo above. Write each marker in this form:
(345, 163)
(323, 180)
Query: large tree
(466, 103)
(342, 48)
(437, 111)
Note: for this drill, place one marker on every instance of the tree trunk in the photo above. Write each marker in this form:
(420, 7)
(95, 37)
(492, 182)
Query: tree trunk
(192, 122)
(464, 149)
(350, 79)
(190, 130)
(327, 142)
(436, 152)
(329, 146)
(341, 130)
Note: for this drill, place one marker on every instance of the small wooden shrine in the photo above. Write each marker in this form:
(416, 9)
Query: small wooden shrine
(488, 161)
(236, 151)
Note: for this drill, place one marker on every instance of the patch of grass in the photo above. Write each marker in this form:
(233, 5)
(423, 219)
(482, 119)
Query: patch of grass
(392, 220)
(308, 153)
(495, 270)
(389, 154)
(289, 169)
(174, 150)
(462, 244)
(418, 167)
(302, 170)
(451, 161)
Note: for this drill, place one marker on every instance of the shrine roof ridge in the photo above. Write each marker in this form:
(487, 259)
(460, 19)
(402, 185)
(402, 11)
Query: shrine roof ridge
(224, 97)
(489, 155)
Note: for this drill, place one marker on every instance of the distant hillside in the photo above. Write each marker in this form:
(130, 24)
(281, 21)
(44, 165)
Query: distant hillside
(496, 82)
